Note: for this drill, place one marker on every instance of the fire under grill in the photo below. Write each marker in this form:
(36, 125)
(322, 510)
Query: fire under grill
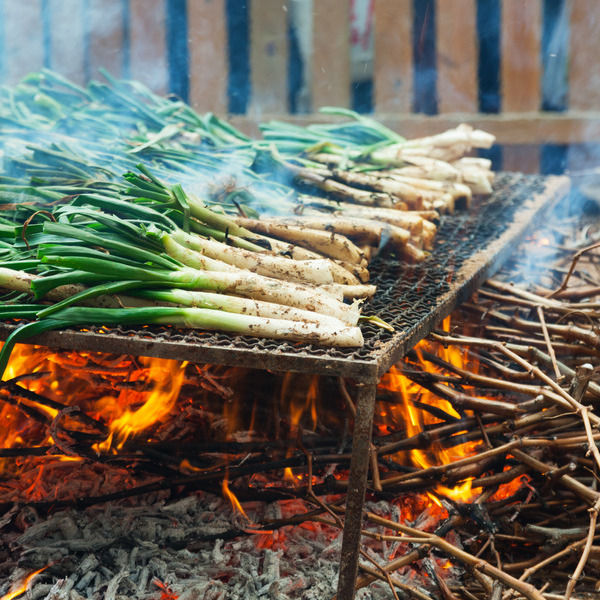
(470, 246)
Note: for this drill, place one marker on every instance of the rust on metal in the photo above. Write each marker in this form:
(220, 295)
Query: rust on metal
(357, 485)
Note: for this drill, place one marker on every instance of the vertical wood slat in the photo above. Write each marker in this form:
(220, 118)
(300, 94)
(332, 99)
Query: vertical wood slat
(23, 39)
(148, 43)
(106, 37)
(584, 49)
(207, 33)
(521, 73)
(393, 61)
(520, 61)
(330, 65)
(457, 55)
(67, 46)
(268, 56)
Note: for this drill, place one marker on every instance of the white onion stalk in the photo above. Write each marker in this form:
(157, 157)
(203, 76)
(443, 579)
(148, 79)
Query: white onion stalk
(455, 189)
(215, 320)
(475, 172)
(194, 259)
(424, 167)
(368, 232)
(449, 146)
(20, 281)
(306, 271)
(328, 244)
(241, 283)
(351, 292)
(235, 304)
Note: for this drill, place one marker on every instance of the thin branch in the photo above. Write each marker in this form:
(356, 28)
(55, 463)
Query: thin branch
(586, 550)
(551, 352)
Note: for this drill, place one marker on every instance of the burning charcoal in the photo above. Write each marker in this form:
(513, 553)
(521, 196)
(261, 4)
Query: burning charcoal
(92, 545)
(42, 556)
(175, 534)
(274, 592)
(111, 590)
(84, 582)
(98, 580)
(158, 568)
(120, 557)
(217, 557)
(475, 512)
(60, 590)
(196, 592)
(105, 572)
(146, 531)
(249, 564)
(38, 591)
(142, 582)
(181, 508)
(146, 553)
(69, 528)
(271, 566)
(132, 557)
(37, 531)
(11, 514)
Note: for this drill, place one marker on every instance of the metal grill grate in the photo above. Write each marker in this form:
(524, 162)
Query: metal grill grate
(470, 246)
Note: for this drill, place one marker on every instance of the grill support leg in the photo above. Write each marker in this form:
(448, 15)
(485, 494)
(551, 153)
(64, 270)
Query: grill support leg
(357, 483)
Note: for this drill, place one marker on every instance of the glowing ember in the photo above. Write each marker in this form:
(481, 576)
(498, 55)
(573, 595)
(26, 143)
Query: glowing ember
(507, 490)
(150, 398)
(166, 593)
(54, 398)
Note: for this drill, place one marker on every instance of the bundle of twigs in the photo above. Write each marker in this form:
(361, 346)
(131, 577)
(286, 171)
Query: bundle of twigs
(526, 399)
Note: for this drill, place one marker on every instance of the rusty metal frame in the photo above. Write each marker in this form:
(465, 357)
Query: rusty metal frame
(364, 367)
(357, 487)
(382, 349)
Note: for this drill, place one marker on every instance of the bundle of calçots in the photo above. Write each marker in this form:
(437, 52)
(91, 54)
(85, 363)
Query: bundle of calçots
(207, 228)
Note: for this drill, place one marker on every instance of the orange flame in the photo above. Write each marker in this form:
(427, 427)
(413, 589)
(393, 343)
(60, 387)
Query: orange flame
(22, 586)
(415, 419)
(235, 503)
(167, 377)
(130, 394)
(299, 402)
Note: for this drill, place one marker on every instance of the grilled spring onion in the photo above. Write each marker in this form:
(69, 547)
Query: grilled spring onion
(279, 267)
(200, 318)
(242, 283)
(234, 304)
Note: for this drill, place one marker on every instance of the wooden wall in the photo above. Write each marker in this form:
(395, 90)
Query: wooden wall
(132, 38)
